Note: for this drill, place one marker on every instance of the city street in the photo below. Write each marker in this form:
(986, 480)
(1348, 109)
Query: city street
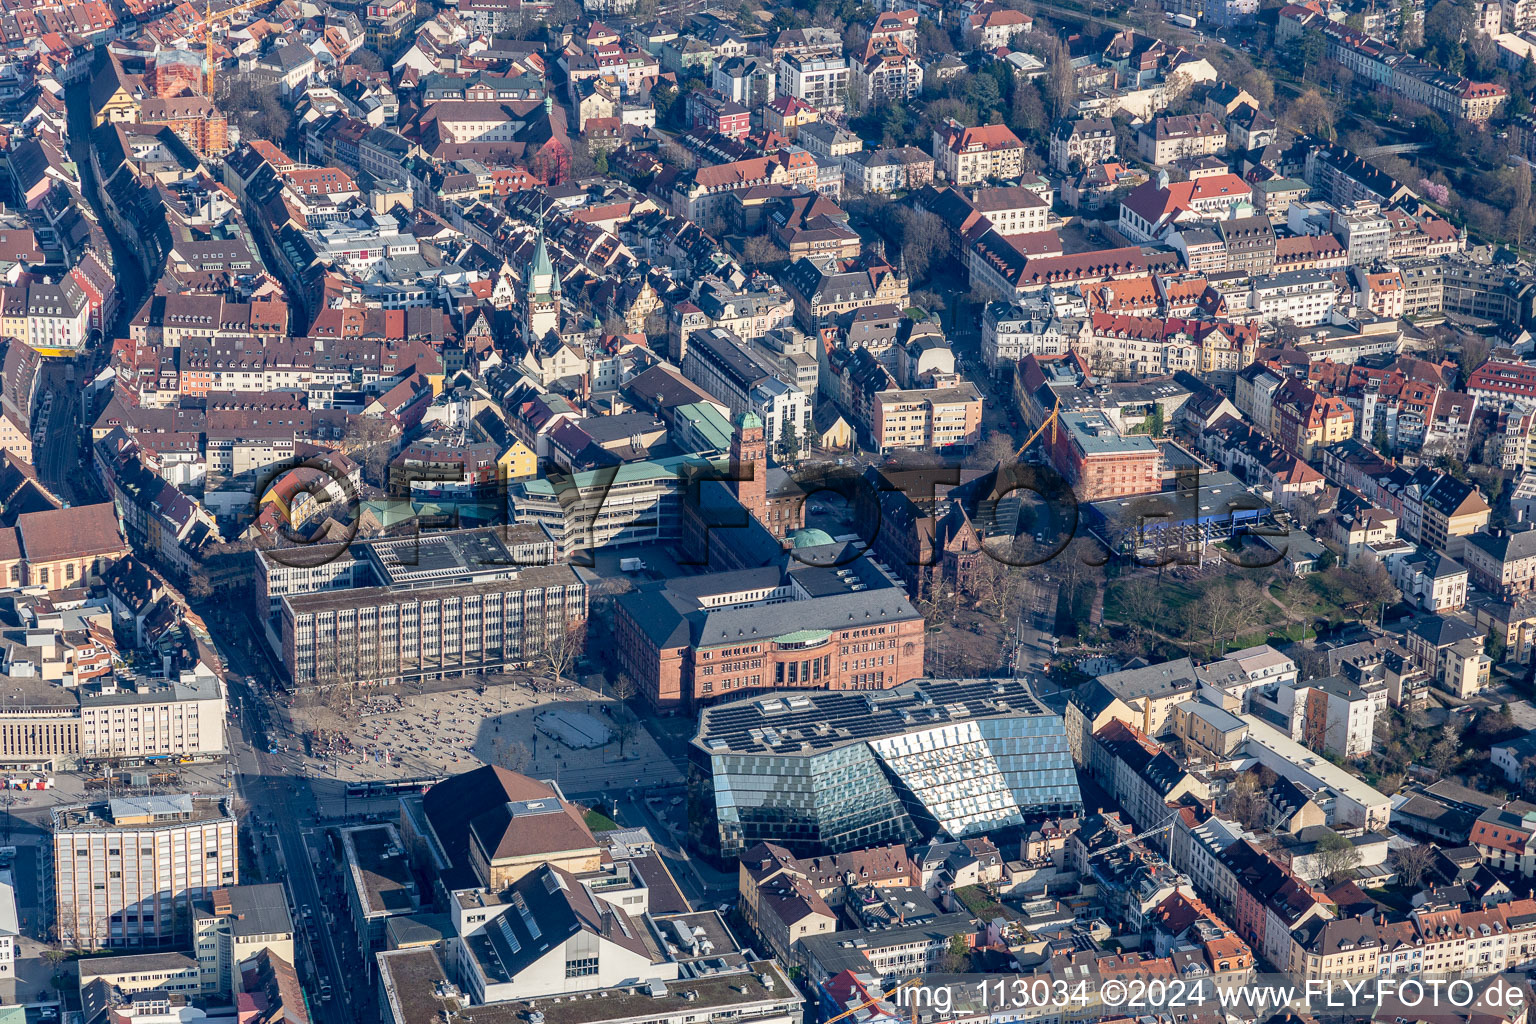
(281, 804)
(668, 826)
(57, 450)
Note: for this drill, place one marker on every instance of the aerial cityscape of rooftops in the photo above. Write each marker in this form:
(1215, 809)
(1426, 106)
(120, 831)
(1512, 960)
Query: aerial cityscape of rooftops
(746, 512)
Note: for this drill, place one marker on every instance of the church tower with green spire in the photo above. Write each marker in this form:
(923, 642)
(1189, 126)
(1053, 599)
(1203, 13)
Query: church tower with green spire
(541, 291)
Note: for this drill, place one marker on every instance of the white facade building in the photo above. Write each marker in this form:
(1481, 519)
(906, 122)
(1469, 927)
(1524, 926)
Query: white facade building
(358, 244)
(820, 79)
(180, 719)
(1011, 332)
(126, 873)
(1302, 297)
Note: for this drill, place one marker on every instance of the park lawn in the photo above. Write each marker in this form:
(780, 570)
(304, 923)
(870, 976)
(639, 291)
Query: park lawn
(1177, 595)
(1273, 635)
(1305, 602)
(597, 821)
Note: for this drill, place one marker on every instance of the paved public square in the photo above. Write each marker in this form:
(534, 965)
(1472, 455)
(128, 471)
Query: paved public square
(429, 735)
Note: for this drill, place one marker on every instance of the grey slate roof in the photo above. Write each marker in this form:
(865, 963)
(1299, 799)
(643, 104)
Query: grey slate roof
(1509, 547)
(1151, 681)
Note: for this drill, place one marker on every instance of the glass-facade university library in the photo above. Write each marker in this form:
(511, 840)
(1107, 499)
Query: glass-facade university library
(827, 772)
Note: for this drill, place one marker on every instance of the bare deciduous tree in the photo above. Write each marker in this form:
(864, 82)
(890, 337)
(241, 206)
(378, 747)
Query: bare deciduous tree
(1142, 601)
(1520, 214)
(370, 440)
(561, 647)
(925, 241)
(1245, 801)
(622, 688)
(1413, 862)
(625, 731)
(998, 447)
(1335, 855)
(761, 250)
(511, 755)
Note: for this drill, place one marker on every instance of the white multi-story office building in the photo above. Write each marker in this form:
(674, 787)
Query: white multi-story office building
(359, 243)
(1302, 297)
(181, 718)
(444, 606)
(635, 503)
(127, 872)
(1364, 232)
(306, 570)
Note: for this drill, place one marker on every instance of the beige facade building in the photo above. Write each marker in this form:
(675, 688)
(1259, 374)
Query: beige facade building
(787, 899)
(968, 155)
(67, 547)
(927, 418)
(233, 925)
(180, 719)
(1503, 563)
(1169, 138)
(127, 873)
(1440, 512)
(1465, 669)
(15, 438)
(49, 727)
(450, 606)
(505, 851)
(1206, 728)
(490, 827)
(174, 973)
(45, 735)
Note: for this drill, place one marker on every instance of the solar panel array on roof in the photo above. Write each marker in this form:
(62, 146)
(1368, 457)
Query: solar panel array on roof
(789, 723)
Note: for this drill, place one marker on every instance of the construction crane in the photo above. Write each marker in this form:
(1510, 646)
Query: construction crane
(871, 1001)
(1050, 421)
(1166, 825)
(206, 31)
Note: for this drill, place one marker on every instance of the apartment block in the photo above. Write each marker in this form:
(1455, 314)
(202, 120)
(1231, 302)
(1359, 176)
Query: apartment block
(1502, 563)
(820, 79)
(934, 418)
(180, 718)
(1168, 139)
(968, 155)
(235, 923)
(1088, 141)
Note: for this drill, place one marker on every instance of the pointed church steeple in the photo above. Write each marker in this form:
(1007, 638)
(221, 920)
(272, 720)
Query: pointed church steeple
(541, 289)
(542, 270)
